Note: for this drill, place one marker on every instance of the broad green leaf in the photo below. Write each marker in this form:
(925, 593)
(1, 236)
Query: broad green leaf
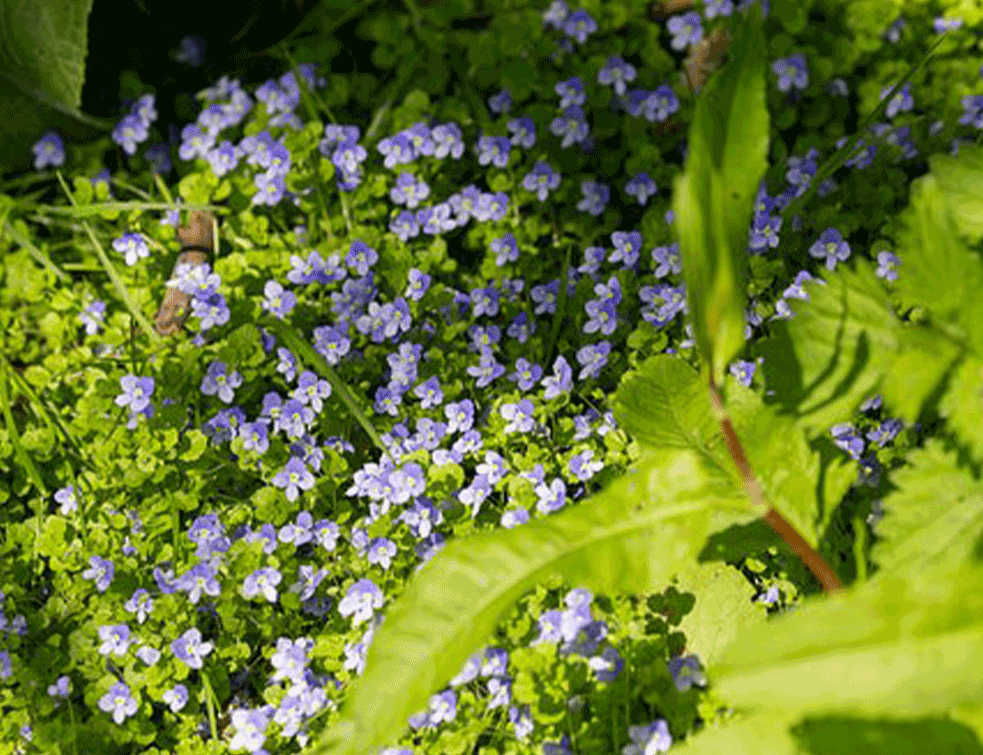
(775, 733)
(937, 270)
(42, 69)
(830, 356)
(723, 609)
(961, 179)
(663, 404)
(713, 198)
(761, 733)
(795, 481)
(934, 516)
(896, 645)
(631, 538)
(923, 358)
(962, 404)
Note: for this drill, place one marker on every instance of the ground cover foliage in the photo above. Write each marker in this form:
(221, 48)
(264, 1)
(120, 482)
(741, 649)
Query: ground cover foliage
(486, 403)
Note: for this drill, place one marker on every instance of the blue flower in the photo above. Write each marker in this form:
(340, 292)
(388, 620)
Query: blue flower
(641, 187)
(132, 246)
(49, 150)
(118, 701)
(887, 265)
(830, 247)
(571, 93)
(136, 392)
(360, 600)
(579, 25)
(685, 29)
(596, 196)
(501, 102)
(523, 132)
(615, 73)
(190, 649)
(791, 72)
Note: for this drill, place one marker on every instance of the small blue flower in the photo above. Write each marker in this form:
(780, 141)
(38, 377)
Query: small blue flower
(49, 150)
(132, 246)
(641, 187)
(830, 247)
(685, 29)
(501, 102)
(523, 132)
(887, 265)
(579, 25)
(791, 72)
(615, 73)
(541, 180)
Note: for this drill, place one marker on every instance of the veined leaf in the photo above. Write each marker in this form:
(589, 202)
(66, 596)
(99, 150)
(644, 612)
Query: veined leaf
(923, 358)
(830, 356)
(961, 179)
(713, 198)
(934, 517)
(962, 404)
(663, 405)
(937, 270)
(896, 645)
(775, 733)
(631, 538)
(723, 609)
(793, 477)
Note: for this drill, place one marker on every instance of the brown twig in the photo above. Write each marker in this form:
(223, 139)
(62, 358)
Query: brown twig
(819, 568)
(197, 244)
(660, 10)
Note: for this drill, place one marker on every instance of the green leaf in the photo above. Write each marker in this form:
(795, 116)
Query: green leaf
(663, 405)
(723, 609)
(937, 270)
(630, 538)
(713, 198)
(923, 525)
(961, 180)
(894, 645)
(925, 355)
(775, 733)
(962, 404)
(829, 357)
(42, 69)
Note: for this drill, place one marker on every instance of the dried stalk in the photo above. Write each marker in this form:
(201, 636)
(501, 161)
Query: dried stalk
(197, 245)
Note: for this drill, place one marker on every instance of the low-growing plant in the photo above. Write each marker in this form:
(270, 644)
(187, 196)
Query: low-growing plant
(430, 453)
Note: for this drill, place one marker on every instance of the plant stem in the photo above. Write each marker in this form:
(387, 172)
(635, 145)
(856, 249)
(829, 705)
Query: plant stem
(819, 568)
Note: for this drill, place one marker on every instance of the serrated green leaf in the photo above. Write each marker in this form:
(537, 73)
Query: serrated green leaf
(663, 405)
(924, 357)
(962, 404)
(713, 198)
(830, 356)
(934, 516)
(723, 609)
(897, 645)
(775, 733)
(630, 538)
(937, 270)
(961, 179)
(792, 477)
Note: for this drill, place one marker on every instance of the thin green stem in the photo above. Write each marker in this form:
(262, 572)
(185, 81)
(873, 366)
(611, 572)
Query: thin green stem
(833, 163)
(113, 275)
